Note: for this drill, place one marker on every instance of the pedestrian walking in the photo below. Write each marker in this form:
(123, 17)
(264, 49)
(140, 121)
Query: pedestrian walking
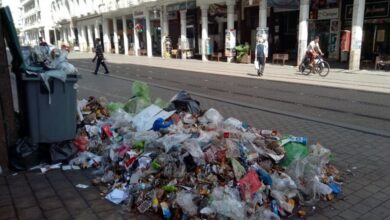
(100, 58)
(260, 56)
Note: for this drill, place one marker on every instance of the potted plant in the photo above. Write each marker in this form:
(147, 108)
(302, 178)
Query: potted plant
(243, 53)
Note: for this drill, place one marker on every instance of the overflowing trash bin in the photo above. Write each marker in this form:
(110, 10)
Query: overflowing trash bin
(182, 162)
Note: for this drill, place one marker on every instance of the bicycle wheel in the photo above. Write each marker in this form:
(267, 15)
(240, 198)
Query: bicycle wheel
(303, 69)
(323, 68)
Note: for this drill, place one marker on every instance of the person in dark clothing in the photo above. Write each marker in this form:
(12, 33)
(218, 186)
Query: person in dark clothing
(42, 42)
(100, 58)
(260, 56)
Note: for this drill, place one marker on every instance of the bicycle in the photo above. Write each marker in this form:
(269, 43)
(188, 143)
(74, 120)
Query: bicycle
(320, 66)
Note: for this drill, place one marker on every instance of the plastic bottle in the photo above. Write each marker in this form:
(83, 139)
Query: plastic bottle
(274, 207)
(268, 133)
(302, 140)
(165, 210)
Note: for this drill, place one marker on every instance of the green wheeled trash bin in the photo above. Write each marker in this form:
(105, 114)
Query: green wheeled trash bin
(50, 121)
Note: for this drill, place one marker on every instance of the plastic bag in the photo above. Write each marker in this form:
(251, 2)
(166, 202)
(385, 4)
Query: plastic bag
(24, 155)
(238, 169)
(282, 182)
(141, 90)
(294, 151)
(232, 123)
(62, 152)
(136, 105)
(249, 185)
(114, 106)
(182, 102)
(185, 201)
(226, 202)
(232, 149)
(172, 140)
(192, 147)
(213, 116)
(120, 119)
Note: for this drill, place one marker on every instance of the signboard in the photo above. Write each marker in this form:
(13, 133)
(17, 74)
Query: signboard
(230, 42)
(181, 6)
(332, 13)
(372, 10)
(250, 3)
(138, 13)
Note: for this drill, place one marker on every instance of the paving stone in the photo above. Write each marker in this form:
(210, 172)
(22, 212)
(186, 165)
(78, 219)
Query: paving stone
(341, 205)
(371, 202)
(359, 208)
(75, 206)
(43, 184)
(90, 194)
(57, 214)
(68, 193)
(349, 214)
(58, 185)
(20, 191)
(100, 205)
(7, 212)
(362, 193)
(25, 202)
(352, 199)
(2, 180)
(30, 213)
(44, 193)
(111, 215)
(372, 188)
(86, 214)
(331, 212)
(380, 196)
(50, 203)
(387, 204)
(381, 211)
(369, 216)
(5, 200)
(4, 190)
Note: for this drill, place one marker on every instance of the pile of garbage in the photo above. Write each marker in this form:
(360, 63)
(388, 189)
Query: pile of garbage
(181, 162)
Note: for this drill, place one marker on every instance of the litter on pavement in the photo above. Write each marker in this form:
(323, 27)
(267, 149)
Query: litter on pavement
(180, 162)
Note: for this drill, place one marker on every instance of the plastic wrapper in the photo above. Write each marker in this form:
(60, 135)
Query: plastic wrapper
(114, 106)
(120, 119)
(249, 185)
(192, 147)
(182, 102)
(282, 182)
(294, 151)
(233, 150)
(226, 203)
(282, 203)
(173, 140)
(232, 123)
(213, 116)
(238, 169)
(185, 201)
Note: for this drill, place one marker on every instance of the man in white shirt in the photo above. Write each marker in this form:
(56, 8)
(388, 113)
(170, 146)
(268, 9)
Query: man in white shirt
(313, 49)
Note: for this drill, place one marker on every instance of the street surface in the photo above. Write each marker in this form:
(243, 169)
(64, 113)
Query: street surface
(353, 124)
(346, 112)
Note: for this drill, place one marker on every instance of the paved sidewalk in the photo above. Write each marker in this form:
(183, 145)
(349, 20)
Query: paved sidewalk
(364, 80)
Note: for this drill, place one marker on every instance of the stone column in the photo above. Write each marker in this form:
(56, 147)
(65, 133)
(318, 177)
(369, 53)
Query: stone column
(115, 35)
(263, 14)
(96, 30)
(183, 31)
(90, 40)
(106, 36)
(136, 39)
(71, 31)
(47, 35)
(165, 26)
(230, 13)
(149, 47)
(205, 31)
(303, 29)
(230, 18)
(80, 38)
(84, 33)
(125, 40)
(162, 18)
(357, 34)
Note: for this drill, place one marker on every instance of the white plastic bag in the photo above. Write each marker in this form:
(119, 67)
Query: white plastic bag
(185, 201)
(213, 116)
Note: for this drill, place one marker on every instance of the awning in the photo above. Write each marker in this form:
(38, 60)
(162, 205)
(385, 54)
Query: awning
(286, 4)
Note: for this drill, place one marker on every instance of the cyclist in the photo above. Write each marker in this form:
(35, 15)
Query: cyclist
(312, 51)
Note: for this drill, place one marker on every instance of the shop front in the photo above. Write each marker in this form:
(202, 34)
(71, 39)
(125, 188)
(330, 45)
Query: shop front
(376, 28)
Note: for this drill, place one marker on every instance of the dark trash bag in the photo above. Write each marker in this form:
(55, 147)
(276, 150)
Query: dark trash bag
(24, 155)
(62, 152)
(182, 102)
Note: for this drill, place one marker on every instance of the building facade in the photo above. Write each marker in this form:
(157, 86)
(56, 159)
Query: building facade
(199, 28)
